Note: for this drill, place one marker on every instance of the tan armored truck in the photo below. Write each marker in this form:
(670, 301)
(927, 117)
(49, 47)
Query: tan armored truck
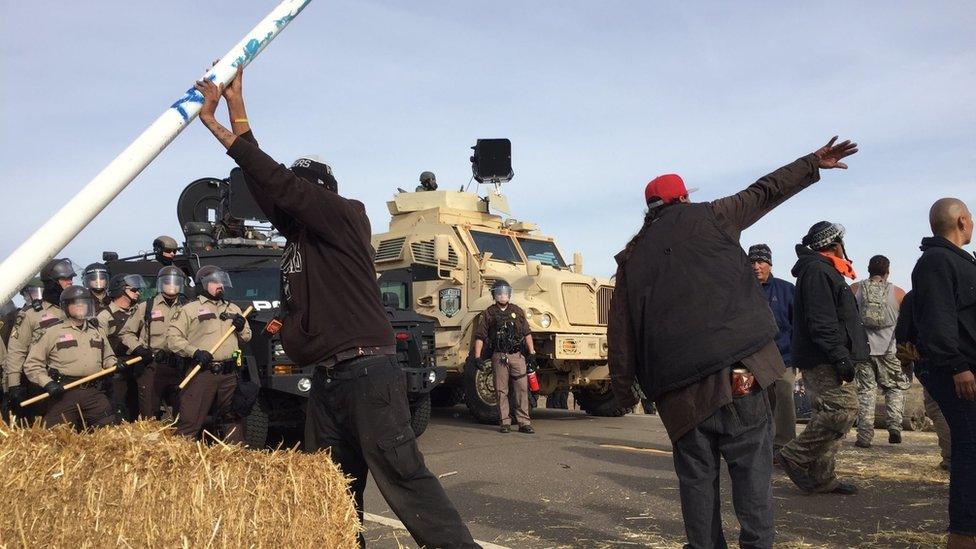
(441, 255)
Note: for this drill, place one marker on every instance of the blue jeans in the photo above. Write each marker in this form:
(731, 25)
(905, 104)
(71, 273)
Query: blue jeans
(961, 416)
(742, 433)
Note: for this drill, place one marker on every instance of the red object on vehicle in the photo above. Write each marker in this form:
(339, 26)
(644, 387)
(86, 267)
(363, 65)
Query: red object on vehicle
(533, 381)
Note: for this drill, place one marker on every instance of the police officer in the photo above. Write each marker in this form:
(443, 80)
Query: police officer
(194, 329)
(95, 278)
(505, 327)
(144, 335)
(68, 352)
(164, 247)
(334, 319)
(123, 291)
(30, 293)
(31, 324)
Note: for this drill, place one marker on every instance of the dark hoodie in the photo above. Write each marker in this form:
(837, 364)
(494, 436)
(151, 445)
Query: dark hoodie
(826, 324)
(944, 308)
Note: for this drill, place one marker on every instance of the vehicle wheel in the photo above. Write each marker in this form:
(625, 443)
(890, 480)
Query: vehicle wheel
(256, 425)
(420, 415)
(446, 396)
(479, 393)
(599, 403)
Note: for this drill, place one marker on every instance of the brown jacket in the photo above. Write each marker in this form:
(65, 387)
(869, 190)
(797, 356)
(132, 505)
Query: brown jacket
(73, 349)
(197, 325)
(30, 326)
(488, 322)
(683, 408)
(110, 320)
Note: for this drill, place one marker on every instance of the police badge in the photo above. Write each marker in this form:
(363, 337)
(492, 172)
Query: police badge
(450, 301)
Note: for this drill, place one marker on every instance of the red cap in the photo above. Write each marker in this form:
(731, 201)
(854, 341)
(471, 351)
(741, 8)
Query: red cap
(668, 187)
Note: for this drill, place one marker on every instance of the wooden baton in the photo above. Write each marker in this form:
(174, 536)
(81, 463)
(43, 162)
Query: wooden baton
(228, 333)
(81, 381)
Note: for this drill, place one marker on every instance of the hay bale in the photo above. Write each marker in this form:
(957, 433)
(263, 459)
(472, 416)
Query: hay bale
(141, 485)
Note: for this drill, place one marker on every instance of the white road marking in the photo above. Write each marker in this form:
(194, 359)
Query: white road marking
(394, 523)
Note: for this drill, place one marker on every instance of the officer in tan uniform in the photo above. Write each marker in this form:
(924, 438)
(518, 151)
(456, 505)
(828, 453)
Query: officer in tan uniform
(30, 325)
(195, 328)
(505, 327)
(123, 293)
(68, 352)
(144, 334)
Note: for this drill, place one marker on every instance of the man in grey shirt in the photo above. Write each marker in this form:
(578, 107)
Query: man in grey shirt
(879, 301)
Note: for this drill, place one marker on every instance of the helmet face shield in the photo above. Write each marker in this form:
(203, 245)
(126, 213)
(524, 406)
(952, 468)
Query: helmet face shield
(170, 284)
(32, 293)
(215, 282)
(134, 281)
(96, 279)
(78, 303)
(501, 292)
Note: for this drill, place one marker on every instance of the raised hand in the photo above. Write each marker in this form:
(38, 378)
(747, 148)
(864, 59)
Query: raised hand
(211, 97)
(830, 155)
(235, 87)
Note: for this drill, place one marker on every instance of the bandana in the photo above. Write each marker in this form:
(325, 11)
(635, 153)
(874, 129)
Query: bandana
(843, 266)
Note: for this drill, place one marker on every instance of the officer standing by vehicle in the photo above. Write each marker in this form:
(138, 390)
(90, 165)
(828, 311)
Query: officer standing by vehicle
(334, 319)
(164, 248)
(195, 328)
(31, 324)
(68, 352)
(504, 325)
(123, 291)
(144, 334)
(95, 278)
(30, 293)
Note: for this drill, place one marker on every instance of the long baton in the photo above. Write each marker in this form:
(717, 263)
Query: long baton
(81, 381)
(196, 369)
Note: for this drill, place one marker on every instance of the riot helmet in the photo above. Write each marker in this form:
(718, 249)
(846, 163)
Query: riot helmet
(428, 181)
(78, 303)
(165, 248)
(122, 282)
(33, 290)
(211, 281)
(501, 291)
(170, 281)
(56, 275)
(95, 277)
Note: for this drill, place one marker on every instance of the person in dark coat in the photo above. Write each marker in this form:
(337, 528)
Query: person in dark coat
(944, 314)
(779, 294)
(687, 321)
(828, 339)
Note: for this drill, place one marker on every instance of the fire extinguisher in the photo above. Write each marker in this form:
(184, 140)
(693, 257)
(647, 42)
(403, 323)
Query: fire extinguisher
(531, 376)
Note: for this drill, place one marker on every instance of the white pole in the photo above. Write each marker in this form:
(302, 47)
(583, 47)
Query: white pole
(54, 235)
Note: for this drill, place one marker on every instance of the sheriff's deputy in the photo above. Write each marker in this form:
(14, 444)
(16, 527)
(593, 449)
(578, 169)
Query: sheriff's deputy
(144, 334)
(123, 294)
(196, 327)
(68, 352)
(505, 327)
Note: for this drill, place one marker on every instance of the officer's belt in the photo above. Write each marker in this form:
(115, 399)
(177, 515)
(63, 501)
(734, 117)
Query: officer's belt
(226, 366)
(349, 354)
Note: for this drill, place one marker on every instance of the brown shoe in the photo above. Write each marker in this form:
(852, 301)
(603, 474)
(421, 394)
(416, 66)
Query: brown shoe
(527, 429)
(505, 429)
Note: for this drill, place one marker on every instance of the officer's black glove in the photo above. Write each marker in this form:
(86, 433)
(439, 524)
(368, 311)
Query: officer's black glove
(15, 394)
(54, 388)
(845, 369)
(161, 356)
(239, 322)
(203, 358)
(530, 362)
(144, 353)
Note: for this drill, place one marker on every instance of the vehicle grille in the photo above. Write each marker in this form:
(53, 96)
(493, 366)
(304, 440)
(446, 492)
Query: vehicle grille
(603, 297)
(423, 252)
(389, 250)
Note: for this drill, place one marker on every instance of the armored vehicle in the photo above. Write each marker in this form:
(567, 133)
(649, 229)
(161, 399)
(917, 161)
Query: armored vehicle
(224, 227)
(440, 256)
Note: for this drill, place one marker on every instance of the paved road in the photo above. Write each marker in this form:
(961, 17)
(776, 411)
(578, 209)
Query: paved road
(609, 482)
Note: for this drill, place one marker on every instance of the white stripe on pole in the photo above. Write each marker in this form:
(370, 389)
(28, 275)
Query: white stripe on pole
(54, 235)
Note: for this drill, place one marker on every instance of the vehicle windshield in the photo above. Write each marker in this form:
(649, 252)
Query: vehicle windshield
(500, 246)
(254, 284)
(394, 294)
(543, 251)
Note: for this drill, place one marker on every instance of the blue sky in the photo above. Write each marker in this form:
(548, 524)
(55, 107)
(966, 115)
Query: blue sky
(597, 98)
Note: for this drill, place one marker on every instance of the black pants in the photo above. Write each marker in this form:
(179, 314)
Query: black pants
(365, 421)
(740, 432)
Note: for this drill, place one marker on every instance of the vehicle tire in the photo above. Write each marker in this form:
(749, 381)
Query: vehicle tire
(479, 393)
(256, 425)
(446, 396)
(597, 403)
(420, 415)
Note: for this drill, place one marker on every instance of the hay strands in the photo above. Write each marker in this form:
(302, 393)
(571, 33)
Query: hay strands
(223, 338)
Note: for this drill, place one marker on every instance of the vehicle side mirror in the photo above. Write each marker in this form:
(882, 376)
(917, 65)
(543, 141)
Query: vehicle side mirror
(578, 262)
(442, 247)
(533, 268)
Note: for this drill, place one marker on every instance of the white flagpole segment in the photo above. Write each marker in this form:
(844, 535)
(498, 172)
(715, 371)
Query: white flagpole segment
(58, 231)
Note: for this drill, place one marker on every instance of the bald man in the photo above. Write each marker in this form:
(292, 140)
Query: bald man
(944, 284)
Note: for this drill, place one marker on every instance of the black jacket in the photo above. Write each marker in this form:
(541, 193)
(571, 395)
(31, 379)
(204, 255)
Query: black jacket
(944, 309)
(827, 326)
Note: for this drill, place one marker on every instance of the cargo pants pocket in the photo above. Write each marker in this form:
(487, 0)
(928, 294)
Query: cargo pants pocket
(400, 451)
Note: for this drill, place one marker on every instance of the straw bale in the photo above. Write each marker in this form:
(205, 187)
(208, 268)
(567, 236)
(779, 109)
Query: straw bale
(140, 485)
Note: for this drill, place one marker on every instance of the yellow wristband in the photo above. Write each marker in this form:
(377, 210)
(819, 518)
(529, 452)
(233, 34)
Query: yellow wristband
(240, 120)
